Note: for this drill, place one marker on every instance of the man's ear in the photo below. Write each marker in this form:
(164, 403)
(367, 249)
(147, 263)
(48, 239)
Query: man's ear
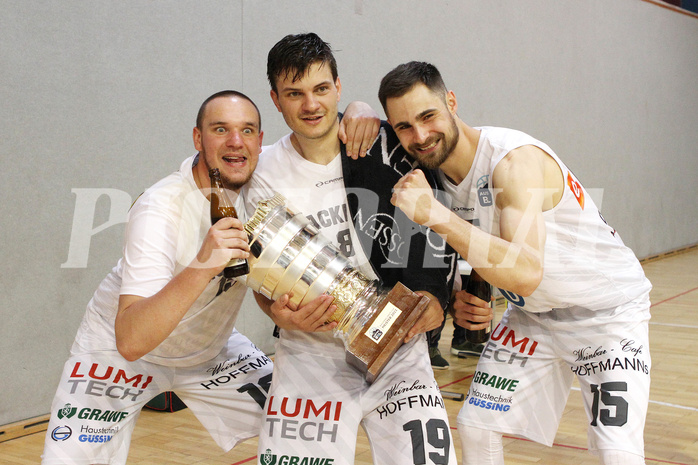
(452, 102)
(196, 136)
(275, 99)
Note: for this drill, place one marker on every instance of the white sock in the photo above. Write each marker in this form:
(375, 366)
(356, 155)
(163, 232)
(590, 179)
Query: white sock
(481, 447)
(619, 457)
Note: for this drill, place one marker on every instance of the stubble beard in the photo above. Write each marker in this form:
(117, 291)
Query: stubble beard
(310, 134)
(228, 183)
(449, 141)
(235, 185)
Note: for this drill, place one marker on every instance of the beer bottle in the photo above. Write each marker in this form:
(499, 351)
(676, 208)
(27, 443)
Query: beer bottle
(482, 289)
(222, 207)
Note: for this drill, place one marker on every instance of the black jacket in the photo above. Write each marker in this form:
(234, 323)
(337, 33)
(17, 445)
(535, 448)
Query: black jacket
(398, 249)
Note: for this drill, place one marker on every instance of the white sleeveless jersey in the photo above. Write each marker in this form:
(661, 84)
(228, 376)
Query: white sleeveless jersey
(318, 192)
(586, 263)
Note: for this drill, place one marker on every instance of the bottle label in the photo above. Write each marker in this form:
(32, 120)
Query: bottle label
(235, 262)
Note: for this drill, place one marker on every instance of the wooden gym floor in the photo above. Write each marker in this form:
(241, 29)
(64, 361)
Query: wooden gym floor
(671, 432)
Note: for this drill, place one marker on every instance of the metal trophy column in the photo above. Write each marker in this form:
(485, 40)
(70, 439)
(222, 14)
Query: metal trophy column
(288, 254)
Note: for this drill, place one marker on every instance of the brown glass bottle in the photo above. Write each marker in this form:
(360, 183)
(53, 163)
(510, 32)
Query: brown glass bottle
(482, 289)
(222, 207)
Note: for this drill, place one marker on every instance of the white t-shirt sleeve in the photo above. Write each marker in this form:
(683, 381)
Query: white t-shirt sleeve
(150, 251)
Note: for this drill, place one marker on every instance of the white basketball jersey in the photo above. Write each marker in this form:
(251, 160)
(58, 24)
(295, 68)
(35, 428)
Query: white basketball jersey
(586, 263)
(318, 192)
(166, 227)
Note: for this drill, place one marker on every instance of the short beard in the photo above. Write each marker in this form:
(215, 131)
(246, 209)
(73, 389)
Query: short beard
(235, 185)
(449, 142)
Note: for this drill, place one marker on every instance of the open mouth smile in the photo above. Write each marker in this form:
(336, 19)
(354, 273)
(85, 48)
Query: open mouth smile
(428, 147)
(235, 159)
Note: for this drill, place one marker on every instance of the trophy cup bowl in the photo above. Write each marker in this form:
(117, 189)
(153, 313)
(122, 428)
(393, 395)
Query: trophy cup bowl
(290, 255)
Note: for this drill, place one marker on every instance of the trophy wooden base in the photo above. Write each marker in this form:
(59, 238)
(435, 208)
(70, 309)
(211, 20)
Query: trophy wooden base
(384, 333)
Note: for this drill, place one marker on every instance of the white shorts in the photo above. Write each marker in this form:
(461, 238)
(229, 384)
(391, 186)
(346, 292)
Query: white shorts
(316, 404)
(525, 373)
(100, 396)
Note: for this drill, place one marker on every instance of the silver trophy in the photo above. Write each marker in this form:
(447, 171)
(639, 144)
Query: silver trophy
(290, 255)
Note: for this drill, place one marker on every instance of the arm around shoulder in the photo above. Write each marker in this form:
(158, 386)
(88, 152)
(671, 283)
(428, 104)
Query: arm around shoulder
(358, 128)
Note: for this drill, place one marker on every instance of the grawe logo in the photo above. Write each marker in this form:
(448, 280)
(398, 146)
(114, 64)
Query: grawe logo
(113, 416)
(268, 458)
(271, 459)
(67, 411)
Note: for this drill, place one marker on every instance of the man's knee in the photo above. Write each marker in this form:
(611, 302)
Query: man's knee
(480, 446)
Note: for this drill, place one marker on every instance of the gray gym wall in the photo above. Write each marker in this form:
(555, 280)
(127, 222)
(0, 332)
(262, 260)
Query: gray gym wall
(99, 100)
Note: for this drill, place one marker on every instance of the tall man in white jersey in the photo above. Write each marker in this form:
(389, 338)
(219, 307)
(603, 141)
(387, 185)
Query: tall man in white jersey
(317, 400)
(163, 319)
(578, 298)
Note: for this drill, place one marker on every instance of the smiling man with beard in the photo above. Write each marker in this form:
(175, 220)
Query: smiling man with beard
(524, 222)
